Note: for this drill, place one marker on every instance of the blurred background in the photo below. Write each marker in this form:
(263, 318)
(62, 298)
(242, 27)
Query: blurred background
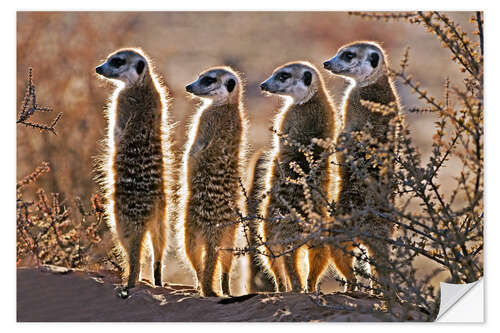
(65, 47)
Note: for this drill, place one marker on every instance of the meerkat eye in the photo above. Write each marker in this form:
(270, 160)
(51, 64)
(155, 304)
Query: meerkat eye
(140, 67)
(374, 58)
(230, 84)
(347, 56)
(283, 76)
(307, 78)
(207, 80)
(117, 62)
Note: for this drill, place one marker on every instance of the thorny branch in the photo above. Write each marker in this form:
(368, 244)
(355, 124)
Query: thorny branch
(30, 106)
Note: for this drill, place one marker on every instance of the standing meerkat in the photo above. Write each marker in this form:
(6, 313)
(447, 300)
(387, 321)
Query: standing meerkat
(309, 114)
(137, 159)
(213, 160)
(365, 65)
(258, 277)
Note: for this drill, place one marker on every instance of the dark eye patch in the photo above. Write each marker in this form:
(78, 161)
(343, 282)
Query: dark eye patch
(207, 80)
(117, 62)
(283, 76)
(374, 59)
(230, 84)
(347, 56)
(307, 78)
(140, 67)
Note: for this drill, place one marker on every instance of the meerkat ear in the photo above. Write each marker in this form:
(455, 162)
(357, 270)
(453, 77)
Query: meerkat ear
(230, 84)
(307, 78)
(374, 58)
(140, 67)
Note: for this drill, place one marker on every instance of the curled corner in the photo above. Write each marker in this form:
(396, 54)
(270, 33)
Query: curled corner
(451, 294)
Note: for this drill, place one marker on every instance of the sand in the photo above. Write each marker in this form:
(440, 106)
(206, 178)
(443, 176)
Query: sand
(54, 294)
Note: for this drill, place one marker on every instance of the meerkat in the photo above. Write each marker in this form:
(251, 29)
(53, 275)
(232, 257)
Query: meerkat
(309, 114)
(213, 160)
(258, 279)
(137, 159)
(365, 65)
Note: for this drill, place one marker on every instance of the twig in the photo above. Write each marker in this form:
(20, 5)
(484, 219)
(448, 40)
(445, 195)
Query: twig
(28, 111)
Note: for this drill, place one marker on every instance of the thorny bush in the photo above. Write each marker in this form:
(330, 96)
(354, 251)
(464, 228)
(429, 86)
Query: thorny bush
(442, 225)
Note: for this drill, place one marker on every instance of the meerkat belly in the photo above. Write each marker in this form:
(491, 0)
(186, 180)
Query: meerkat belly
(213, 190)
(138, 177)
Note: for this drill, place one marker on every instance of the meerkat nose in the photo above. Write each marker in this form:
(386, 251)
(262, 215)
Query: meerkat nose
(327, 64)
(189, 88)
(98, 70)
(263, 86)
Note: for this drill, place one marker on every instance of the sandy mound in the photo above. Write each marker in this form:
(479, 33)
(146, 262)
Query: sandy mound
(57, 294)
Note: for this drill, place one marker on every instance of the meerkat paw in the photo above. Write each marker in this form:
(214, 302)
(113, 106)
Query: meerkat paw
(350, 287)
(296, 287)
(124, 292)
(310, 287)
(376, 290)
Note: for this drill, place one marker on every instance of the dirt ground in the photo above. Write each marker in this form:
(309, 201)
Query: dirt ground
(55, 294)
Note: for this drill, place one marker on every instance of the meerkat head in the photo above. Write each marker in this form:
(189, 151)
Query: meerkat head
(298, 80)
(364, 62)
(219, 84)
(127, 65)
